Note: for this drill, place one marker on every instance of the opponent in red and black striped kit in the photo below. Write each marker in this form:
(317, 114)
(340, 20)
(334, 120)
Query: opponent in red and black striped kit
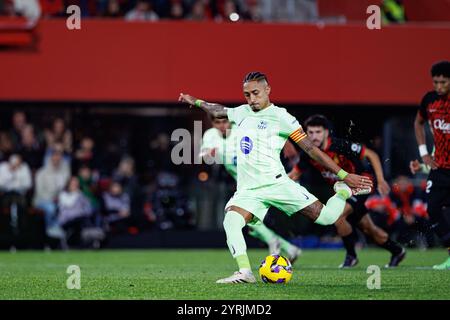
(435, 109)
(349, 156)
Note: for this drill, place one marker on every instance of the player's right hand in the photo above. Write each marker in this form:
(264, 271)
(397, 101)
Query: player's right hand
(383, 187)
(187, 99)
(428, 160)
(357, 181)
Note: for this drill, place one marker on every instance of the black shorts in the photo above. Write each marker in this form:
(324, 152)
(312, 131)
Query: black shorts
(438, 200)
(359, 208)
(438, 188)
(439, 178)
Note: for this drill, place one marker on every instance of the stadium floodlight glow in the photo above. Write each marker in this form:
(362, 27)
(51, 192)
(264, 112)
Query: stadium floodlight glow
(234, 17)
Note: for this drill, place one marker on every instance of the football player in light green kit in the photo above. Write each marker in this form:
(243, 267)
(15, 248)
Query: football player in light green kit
(262, 130)
(219, 146)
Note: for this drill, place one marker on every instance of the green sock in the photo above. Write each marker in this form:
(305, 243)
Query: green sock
(243, 262)
(285, 245)
(261, 232)
(331, 211)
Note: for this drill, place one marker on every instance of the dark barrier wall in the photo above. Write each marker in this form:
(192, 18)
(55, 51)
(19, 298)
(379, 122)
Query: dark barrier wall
(153, 62)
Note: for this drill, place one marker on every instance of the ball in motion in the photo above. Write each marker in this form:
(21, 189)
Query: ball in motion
(275, 269)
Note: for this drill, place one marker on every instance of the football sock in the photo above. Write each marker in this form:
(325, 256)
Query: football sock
(331, 211)
(392, 246)
(265, 234)
(349, 243)
(261, 232)
(285, 246)
(233, 224)
(243, 263)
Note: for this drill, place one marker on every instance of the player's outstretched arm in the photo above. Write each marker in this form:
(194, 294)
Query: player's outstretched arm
(419, 129)
(374, 159)
(352, 180)
(215, 109)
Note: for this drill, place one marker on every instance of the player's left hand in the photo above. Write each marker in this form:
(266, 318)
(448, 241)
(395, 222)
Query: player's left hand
(383, 187)
(357, 181)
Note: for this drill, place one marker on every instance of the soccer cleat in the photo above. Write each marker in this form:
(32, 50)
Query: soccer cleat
(396, 259)
(293, 253)
(346, 192)
(349, 262)
(239, 277)
(443, 266)
(274, 246)
(342, 189)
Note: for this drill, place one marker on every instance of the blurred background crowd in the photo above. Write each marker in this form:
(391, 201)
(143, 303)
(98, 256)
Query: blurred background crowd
(81, 187)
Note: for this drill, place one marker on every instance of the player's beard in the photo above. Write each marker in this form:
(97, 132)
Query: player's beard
(255, 107)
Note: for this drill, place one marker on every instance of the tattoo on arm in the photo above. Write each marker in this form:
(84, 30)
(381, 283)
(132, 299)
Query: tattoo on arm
(217, 110)
(318, 155)
(306, 145)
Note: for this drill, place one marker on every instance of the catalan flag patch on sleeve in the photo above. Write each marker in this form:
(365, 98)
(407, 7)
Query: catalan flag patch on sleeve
(297, 135)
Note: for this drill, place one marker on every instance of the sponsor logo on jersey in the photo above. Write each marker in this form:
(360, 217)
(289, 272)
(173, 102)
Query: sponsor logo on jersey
(246, 145)
(441, 125)
(356, 147)
(262, 124)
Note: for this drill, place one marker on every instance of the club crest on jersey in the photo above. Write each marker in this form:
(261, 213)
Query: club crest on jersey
(262, 124)
(246, 145)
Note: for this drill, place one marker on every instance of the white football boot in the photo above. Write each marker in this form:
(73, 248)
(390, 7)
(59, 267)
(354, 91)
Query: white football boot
(343, 189)
(293, 253)
(274, 246)
(239, 277)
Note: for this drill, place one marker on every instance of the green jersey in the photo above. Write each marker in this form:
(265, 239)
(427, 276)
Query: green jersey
(224, 148)
(260, 137)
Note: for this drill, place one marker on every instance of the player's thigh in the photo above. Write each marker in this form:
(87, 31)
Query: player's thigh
(249, 202)
(289, 197)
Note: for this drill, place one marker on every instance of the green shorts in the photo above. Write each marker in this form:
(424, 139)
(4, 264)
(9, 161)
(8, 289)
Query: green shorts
(287, 196)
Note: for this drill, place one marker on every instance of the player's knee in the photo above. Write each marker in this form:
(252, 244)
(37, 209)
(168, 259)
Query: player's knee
(379, 235)
(327, 216)
(248, 216)
(233, 220)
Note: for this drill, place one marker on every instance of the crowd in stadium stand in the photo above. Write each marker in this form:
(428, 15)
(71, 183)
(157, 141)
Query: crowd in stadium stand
(153, 10)
(79, 194)
(193, 10)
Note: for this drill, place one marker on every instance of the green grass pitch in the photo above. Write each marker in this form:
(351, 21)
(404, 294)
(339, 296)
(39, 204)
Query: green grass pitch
(191, 275)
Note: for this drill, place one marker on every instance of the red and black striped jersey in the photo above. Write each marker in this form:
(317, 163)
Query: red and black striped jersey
(436, 110)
